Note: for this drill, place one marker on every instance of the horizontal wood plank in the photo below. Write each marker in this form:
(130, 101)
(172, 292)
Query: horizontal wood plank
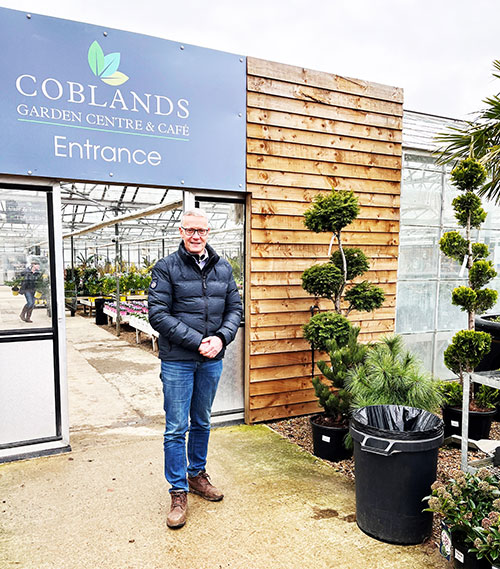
(282, 398)
(289, 339)
(287, 278)
(308, 138)
(330, 81)
(281, 385)
(299, 166)
(307, 195)
(270, 413)
(350, 238)
(381, 264)
(320, 110)
(302, 152)
(321, 182)
(324, 96)
(301, 305)
(297, 292)
(321, 125)
(273, 220)
(318, 252)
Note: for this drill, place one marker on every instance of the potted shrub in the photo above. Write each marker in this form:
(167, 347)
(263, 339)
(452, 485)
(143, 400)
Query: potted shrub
(468, 347)
(391, 375)
(329, 429)
(470, 507)
(330, 331)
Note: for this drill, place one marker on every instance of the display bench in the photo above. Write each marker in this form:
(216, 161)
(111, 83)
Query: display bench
(144, 326)
(111, 314)
(491, 379)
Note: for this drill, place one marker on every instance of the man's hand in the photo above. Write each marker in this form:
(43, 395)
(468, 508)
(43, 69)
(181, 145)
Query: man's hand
(210, 346)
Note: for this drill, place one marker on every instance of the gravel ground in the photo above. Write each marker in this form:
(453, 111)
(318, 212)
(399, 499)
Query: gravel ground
(298, 431)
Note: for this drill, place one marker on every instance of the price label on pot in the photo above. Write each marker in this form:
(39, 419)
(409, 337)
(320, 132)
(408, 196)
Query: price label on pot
(459, 556)
(325, 438)
(455, 423)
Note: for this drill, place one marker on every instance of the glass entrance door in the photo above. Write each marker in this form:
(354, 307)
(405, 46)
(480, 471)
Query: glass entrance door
(30, 411)
(226, 219)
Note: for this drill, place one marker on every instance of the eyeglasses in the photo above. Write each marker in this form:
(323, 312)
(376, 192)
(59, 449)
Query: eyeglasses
(189, 231)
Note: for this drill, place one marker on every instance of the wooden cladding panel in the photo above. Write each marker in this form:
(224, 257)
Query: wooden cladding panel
(301, 76)
(307, 132)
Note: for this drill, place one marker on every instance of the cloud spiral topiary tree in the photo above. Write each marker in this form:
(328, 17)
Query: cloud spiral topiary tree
(468, 347)
(331, 331)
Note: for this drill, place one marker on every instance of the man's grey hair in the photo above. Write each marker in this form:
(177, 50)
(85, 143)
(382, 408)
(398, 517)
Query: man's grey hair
(195, 212)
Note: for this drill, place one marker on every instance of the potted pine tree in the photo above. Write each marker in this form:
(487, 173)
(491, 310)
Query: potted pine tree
(330, 330)
(468, 347)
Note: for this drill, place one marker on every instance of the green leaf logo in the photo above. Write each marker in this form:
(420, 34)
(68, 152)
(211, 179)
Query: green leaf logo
(105, 66)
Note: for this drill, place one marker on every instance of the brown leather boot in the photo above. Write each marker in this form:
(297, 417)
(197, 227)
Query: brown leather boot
(200, 484)
(178, 509)
(27, 317)
(22, 316)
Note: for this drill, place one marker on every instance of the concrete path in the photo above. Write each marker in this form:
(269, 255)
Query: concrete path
(103, 506)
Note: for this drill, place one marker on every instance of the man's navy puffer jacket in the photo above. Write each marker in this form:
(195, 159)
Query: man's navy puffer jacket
(187, 304)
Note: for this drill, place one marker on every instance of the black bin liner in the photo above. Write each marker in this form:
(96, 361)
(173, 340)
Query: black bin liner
(395, 454)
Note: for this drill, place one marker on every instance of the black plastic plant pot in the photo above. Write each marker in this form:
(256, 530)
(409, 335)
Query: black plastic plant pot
(483, 323)
(479, 423)
(462, 559)
(328, 442)
(395, 456)
(100, 318)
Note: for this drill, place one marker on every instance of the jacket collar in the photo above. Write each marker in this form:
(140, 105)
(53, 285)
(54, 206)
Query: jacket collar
(213, 257)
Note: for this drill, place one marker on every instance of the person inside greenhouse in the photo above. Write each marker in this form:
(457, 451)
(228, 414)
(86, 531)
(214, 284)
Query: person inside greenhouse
(195, 307)
(30, 278)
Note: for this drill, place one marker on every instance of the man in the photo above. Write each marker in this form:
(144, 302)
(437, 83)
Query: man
(196, 308)
(28, 287)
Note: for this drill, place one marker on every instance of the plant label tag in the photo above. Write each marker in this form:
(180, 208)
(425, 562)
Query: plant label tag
(455, 423)
(325, 438)
(445, 542)
(459, 556)
(463, 267)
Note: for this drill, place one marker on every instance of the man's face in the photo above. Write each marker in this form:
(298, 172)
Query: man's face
(194, 243)
(35, 267)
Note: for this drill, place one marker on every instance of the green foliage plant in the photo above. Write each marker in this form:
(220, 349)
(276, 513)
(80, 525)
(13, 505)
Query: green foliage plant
(324, 327)
(391, 375)
(334, 398)
(479, 138)
(470, 505)
(468, 347)
(332, 213)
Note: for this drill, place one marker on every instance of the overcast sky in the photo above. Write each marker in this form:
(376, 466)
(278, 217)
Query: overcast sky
(439, 51)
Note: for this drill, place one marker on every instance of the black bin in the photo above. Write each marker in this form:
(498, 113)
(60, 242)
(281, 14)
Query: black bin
(100, 317)
(395, 456)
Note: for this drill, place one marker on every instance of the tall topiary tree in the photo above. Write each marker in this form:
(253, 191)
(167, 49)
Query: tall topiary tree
(333, 280)
(468, 347)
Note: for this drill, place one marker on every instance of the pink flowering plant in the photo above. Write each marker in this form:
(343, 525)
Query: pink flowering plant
(487, 541)
(470, 505)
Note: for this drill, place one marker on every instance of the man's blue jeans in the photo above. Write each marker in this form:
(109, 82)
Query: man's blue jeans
(188, 393)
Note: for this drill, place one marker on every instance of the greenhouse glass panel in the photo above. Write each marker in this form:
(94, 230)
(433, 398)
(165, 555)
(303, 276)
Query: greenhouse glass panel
(450, 317)
(416, 306)
(418, 253)
(421, 192)
(422, 346)
(443, 340)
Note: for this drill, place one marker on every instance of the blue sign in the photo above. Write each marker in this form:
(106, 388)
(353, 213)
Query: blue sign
(82, 102)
